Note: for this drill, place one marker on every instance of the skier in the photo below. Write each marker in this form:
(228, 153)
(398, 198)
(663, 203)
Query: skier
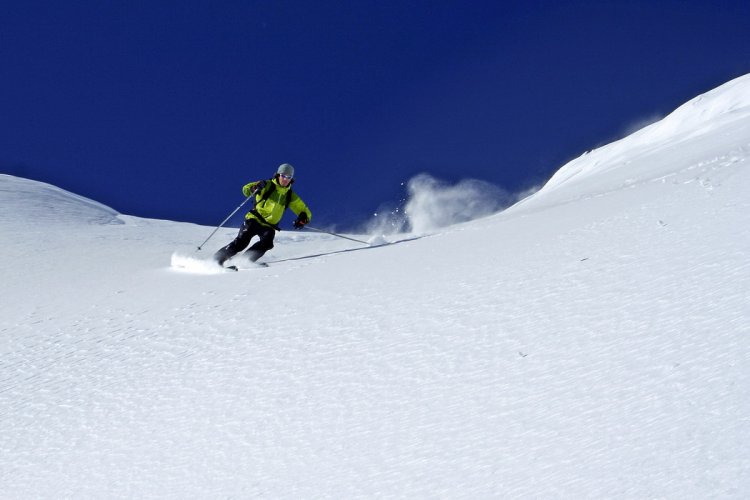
(272, 198)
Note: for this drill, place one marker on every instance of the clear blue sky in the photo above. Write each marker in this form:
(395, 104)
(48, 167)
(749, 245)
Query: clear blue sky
(165, 109)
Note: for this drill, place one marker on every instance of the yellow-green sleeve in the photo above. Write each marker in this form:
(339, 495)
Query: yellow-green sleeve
(298, 206)
(248, 189)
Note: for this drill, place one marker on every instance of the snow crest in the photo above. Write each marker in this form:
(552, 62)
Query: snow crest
(713, 128)
(28, 200)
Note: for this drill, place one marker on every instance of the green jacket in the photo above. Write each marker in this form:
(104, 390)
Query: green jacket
(272, 208)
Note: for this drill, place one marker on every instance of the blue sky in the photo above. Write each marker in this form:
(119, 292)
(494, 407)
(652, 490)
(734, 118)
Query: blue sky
(165, 109)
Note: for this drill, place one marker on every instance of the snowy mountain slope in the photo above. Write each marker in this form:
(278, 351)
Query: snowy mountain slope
(590, 342)
(697, 138)
(24, 200)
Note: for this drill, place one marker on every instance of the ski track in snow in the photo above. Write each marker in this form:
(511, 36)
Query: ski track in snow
(590, 342)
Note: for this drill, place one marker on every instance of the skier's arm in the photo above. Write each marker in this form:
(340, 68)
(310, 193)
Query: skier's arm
(298, 207)
(253, 187)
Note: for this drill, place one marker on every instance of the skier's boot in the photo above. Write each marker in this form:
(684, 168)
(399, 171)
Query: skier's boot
(222, 256)
(252, 255)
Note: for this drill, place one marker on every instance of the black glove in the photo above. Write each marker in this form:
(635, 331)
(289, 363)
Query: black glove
(258, 186)
(301, 221)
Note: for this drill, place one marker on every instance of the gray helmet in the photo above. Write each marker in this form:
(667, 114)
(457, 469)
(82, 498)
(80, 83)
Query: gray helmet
(286, 169)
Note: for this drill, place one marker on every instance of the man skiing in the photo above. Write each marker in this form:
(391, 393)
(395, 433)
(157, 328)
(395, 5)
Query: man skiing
(272, 198)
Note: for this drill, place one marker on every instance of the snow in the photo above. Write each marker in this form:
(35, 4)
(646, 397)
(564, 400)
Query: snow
(589, 342)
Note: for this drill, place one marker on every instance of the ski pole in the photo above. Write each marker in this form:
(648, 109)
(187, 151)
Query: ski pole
(225, 221)
(334, 234)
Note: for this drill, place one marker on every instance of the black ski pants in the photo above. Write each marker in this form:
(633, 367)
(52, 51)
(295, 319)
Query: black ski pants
(250, 228)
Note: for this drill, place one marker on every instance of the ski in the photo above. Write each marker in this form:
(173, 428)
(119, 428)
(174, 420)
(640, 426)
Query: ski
(253, 266)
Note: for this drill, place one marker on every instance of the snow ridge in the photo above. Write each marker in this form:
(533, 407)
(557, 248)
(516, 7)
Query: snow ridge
(703, 130)
(23, 200)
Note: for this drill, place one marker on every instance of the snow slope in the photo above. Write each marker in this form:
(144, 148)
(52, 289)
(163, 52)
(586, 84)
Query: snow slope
(589, 342)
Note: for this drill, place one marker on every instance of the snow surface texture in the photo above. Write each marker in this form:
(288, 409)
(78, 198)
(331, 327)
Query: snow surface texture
(589, 342)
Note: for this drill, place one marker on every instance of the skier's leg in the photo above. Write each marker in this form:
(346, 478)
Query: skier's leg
(256, 251)
(238, 244)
